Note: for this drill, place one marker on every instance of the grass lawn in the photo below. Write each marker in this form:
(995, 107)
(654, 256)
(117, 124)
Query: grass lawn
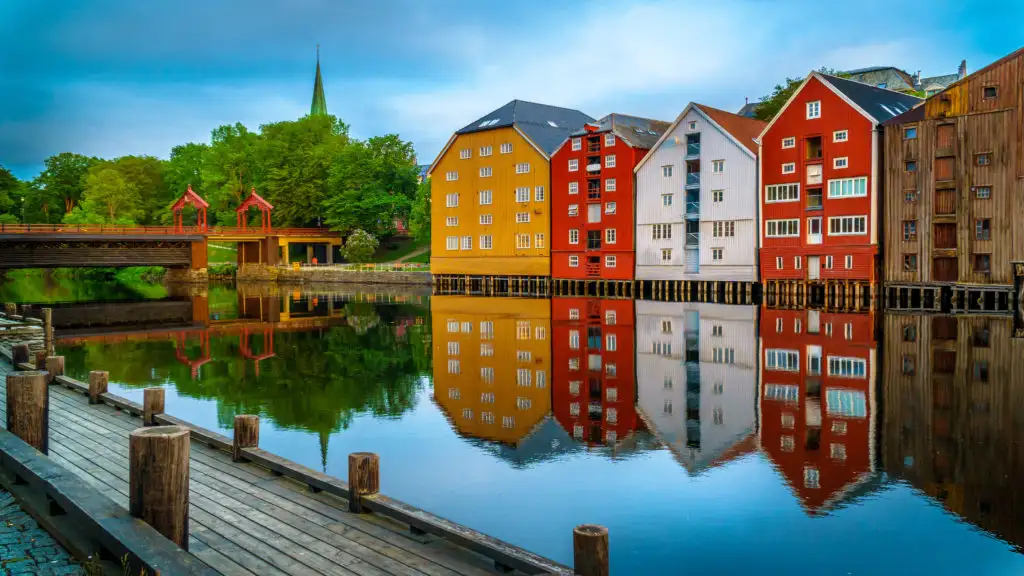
(394, 249)
(221, 252)
(421, 259)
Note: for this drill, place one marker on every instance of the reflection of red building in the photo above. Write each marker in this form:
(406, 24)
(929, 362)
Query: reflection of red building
(817, 382)
(594, 382)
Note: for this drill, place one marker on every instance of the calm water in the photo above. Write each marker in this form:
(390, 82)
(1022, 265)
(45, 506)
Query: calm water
(709, 439)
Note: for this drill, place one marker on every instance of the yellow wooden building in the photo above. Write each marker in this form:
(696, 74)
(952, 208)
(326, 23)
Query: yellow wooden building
(492, 365)
(491, 192)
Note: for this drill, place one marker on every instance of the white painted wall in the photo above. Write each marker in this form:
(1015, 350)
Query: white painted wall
(739, 185)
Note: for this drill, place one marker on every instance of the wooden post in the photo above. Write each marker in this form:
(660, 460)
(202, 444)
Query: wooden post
(590, 550)
(28, 408)
(152, 404)
(48, 330)
(363, 478)
(11, 309)
(54, 368)
(20, 354)
(247, 435)
(40, 360)
(97, 385)
(158, 462)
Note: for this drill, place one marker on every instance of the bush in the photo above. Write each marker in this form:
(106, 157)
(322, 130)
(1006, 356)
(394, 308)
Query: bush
(359, 246)
(222, 269)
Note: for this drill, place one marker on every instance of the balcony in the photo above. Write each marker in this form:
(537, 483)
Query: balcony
(594, 145)
(594, 189)
(814, 199)
(593, 164)
(692, 150)
(693, 239)
(693, 210)
(692, 180)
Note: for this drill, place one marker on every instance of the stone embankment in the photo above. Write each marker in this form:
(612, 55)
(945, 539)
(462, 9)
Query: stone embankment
(329, 274)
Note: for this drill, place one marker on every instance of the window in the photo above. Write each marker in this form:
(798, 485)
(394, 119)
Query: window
(486, 242)
(609, 261)
(828, 262)
(989, 92)
(609, 139)
(522, 329)
(782, 193)
(789, 142)
(723, 229)
(718, 195)
(716, 330)
(782, 228)
(787, 360)
(718, 166)
(523, 168)
(666, 171)
(847, 225)
(910, 262)
(982, 337)
(524, 356)
(538, 194)
(666, 254)
(467, 242)
(522, 241)
(982, 192)
(983, 263)
(523, 194)
(452, 242)
(910, 166)
(910, 133)
(848, 331)
(522, 217)
(692, 125)
(453, 367)
(716, 254)
(666, 200)
(486, 219)
(574, 165)
(574, 236)
(840, 136)
(465, 153)
(610, 317)
(849, 262)
(451, 221)
(574, 209)
(577, 144)
(487, 397)
(983, 159)
(983, 229)
(451, 200)
(778, 262)
(845, 367)
(538, 240)
(485, 197)
(574, 261)
(506, 148)
(609, 185)
(486, 150)
(453, 348)
(574, 314)
(610, 236)
(609, 161)
(661, 231)
(798, 262)
(574, 363)
(661, 348)
(485, 171)
(723, 355)
(840, 162)
(910, 230)
(789, 168)
(609, 208)
(451, 176)
(574, 187)
(593, 212)
(848, 187)
(814, 110)
(910, 196)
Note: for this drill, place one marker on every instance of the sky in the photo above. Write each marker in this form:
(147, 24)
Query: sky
(114, 77)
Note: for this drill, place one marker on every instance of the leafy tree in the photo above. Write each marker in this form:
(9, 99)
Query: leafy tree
(146, 174)
(772, 103)
(185, 168)
(109, 199)
(359, 246)
(62, 180)
(419, 220)
(10, 191)
(229, 169)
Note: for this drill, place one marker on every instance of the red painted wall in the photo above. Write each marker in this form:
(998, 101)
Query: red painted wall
(626, 158)
(836, 114)
(593, 313)
(834, 474)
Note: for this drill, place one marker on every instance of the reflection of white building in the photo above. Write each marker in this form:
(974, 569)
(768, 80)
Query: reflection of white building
(697, 378)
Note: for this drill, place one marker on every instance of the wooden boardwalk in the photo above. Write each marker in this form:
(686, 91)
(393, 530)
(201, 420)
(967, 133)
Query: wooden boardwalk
(245, 519)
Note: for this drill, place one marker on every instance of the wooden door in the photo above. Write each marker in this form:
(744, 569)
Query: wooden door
(945, 236)
(945, 361)
(945, 201)
(944, 270)
(945, 136)
(814, 267)
(944, 169)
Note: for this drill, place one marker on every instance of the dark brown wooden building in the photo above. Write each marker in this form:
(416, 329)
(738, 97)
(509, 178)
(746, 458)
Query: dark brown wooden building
(954, 202)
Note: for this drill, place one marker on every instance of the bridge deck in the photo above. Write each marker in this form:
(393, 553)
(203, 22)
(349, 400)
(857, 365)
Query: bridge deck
(244, 520)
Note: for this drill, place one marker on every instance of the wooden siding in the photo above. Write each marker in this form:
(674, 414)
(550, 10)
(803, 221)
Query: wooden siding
(504, 258)
(959, 124)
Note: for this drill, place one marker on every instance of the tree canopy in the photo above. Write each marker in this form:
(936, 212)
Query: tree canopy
(770, 104)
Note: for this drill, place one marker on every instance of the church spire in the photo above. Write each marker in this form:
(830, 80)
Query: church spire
(319, 105)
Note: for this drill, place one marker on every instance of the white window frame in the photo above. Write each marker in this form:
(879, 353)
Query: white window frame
(452, 243)
(574, 236)
(717, 254)
(814, 109)
(574, 210)
(486, 242)
(486, 219)
(840, 162)
(522, 241)
(467, 242)
(782, 193)
(828, 262)
(782, 360)
(465, 154)
(577, 144)
(609, 185)
(778, 263)
(522, 217)
(485, 172)
(841, 136)
(506, 148)
(798, 262)
(574, 261)
(451, 221)
(539, 194)
(486, 151)
(610, 207)
(666, 171)
(609, 139)
(523, 194)
(718, 196)
(574, 187)
(609, 161)
(847, 367)
(857, 187)
(839, 220)
(610, 236)
(485, 197)
(789, 142)
(848, 261)
(666, 200)
(718, 166)
(666, 254)
(610, 261)
(789, 168)
(772, 227)
(538, 240)
(574, 165)
(451, 200)
(523, 168)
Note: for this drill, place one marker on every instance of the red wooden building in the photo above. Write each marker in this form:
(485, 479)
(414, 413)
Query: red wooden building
(818, 402)
(593, 389)
(593, 200)
(821, 177)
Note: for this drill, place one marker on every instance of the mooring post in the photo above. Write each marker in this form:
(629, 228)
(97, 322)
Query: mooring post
(19, 354)
(590, 550)
(97, 385)
(40, 360)
(28, 408)
(152, 404)
(363, 478)
(48, 330)
(54, 368)
(158, 462)
(11, 309)
(247, 435)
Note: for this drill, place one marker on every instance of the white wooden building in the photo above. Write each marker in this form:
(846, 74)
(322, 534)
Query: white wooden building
(697, 199)
(697, 379)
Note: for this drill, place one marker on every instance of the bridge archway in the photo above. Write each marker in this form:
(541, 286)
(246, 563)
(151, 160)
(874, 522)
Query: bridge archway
(257, 201)
(190, 198)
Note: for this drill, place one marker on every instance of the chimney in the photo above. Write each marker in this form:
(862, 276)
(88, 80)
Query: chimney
(917, 80)
(962, 71)
(746, 100)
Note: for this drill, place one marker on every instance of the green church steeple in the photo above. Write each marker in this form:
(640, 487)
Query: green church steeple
(319, 105)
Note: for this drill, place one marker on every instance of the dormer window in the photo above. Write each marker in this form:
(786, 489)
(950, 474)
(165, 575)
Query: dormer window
(577, 143)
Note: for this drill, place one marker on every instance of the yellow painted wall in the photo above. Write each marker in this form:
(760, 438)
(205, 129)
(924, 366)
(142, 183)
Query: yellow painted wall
(459, 389)
(504, 258)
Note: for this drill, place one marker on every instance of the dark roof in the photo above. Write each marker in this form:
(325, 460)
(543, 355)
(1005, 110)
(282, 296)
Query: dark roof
(879, 103)
(870, 69)
(915, 114)
(546, 125)
(636, 131)
(944, 80)
(744, 129)
(749, 109)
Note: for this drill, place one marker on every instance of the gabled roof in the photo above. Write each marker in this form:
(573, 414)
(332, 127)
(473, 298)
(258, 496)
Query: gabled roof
(941, 81)
(636, 131)
(546, 125)
(254, 199)
(189, 197)
(740, 129)
(749, 109)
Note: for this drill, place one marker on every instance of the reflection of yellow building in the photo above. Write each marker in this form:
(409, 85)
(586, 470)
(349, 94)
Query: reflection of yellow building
(492, 364)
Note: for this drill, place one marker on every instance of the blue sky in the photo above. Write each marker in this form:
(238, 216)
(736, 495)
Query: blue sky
(115, 77)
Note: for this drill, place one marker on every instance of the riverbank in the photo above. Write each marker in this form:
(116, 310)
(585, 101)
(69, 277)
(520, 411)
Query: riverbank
(334, 275)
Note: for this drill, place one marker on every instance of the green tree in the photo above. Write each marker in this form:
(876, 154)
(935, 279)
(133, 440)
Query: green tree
(146, 174)
(229, 170)
(185, 168)
(419, 219)
(359, 246)
(63, 181)
(772, 103)
(10, 191)
(109, 199)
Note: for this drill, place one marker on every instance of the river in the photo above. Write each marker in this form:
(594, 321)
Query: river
(708, 438)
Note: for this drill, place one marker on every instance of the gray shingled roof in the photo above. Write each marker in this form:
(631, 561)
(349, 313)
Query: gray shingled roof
(749, 109)
(546, 125)
(880, 103)
(943, 80)
(636, 131)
